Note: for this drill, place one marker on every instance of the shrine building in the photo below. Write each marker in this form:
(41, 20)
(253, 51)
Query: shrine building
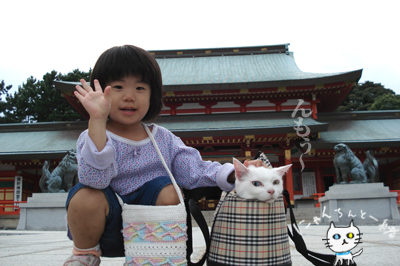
(233, 102)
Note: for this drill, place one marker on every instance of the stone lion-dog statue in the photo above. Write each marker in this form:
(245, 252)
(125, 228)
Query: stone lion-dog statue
(346, 163)
(63, 176)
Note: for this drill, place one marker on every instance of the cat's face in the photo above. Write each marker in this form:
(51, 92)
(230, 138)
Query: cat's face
(342, 239)
(259, 183)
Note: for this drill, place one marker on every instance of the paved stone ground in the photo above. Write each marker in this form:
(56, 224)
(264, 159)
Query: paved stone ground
(50, 248)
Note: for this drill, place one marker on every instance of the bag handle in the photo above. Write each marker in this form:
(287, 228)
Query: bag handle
(315, 258)
(178, 190)
(193, 209)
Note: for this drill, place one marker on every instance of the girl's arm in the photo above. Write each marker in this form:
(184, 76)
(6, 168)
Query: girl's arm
(194, 172)
(95, 169)
(191, 171)
(95, 153)
(98, 104)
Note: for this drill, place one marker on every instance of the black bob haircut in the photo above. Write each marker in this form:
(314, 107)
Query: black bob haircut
(123, 61)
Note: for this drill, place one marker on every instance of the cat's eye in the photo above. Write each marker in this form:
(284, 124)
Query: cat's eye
(336, 236)
(350, 235)
(256, 183)
(276, 182)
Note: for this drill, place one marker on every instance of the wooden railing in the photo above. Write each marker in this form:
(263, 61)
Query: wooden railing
(316, 196)
(10, 207)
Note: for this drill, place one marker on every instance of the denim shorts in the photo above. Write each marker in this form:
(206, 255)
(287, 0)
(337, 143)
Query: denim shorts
(111, 242)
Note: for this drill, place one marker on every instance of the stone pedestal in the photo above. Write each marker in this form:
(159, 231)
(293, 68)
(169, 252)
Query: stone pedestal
(369, 203)
(43, 211)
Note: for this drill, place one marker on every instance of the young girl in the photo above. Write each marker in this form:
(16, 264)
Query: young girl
(115, 154)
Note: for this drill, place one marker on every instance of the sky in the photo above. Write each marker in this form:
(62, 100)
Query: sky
(325, 36)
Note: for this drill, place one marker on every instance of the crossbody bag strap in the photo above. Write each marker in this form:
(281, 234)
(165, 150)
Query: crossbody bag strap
(178, 191)
(191, 207)
(317, 259)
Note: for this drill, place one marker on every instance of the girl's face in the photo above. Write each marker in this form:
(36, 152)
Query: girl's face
(130, 101)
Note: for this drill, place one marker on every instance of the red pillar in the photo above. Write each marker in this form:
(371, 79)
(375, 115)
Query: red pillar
(319, 179)
(314, 109)
(173, 107)
(289, 176)
(243, 105)
(208, 106)
(278, 104)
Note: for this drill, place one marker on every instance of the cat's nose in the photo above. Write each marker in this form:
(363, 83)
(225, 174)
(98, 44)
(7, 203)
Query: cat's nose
(271, 191)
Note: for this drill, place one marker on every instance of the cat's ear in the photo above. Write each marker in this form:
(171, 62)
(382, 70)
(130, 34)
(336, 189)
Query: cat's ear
(240, 169)
(351, 223)
(332, 225)
(283, 169)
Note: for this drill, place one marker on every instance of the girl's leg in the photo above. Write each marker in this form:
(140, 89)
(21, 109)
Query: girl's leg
(168, 196)
(86, 215)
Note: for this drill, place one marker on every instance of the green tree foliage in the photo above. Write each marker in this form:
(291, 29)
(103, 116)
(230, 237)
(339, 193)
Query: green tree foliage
(3, 103)
(20, 105)
(386, 102)
(75, 75)
(4, 89)
(38, 100)
(363, 96)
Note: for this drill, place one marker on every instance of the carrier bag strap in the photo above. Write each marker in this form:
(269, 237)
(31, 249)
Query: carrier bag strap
(315, 258)
(194, 210)
(165, 164)
(191, 197)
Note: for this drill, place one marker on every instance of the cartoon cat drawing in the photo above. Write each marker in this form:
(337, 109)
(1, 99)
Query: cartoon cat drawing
(341, 240)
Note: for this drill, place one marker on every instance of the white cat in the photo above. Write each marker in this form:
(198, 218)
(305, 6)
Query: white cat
(341, 240)
(259, 183)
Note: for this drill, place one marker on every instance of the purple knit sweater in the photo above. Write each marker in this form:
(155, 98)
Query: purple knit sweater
(126, 165)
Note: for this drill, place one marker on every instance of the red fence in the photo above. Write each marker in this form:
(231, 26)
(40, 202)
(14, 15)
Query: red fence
(316, 197)
(10, 207)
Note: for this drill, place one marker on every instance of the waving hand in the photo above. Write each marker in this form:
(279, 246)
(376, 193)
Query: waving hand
(96, 102)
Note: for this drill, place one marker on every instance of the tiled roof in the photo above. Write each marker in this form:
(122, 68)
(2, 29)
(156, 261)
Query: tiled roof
(38, 138)
(370, 129)
(236, 124)
(221, 68)
(356, 129)
(233, 69)
(59, 137)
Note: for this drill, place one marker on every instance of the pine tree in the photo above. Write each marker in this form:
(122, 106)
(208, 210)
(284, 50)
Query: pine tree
(363, 96)
(386, 102)
(38, 100)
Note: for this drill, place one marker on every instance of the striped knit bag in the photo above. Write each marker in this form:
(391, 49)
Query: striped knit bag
(249, 232)
(155, 235)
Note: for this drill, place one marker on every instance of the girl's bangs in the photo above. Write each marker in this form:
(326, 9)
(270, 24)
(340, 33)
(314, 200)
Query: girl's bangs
(124, 67)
